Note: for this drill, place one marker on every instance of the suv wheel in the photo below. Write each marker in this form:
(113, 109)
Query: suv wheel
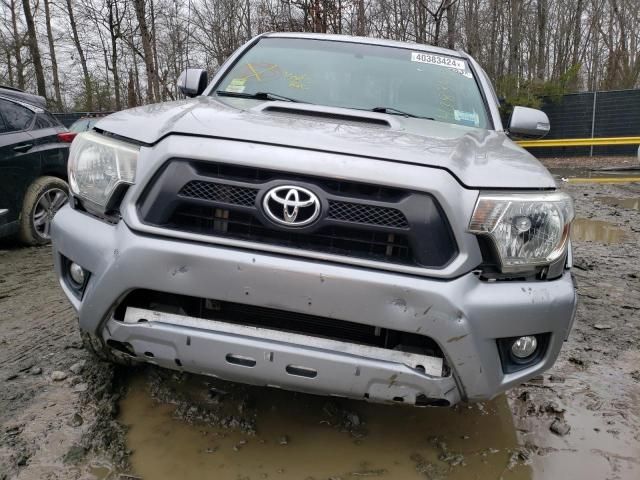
(43, 199)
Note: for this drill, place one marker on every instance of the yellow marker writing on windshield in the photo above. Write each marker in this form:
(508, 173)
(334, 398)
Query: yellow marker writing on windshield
(254, 71)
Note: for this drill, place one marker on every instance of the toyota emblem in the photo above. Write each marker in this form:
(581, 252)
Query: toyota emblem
(291, 206)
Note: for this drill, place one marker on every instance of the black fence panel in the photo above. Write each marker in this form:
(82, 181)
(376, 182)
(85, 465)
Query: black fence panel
(617, 114)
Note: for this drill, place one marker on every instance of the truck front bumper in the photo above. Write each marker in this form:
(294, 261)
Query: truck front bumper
(464, 316)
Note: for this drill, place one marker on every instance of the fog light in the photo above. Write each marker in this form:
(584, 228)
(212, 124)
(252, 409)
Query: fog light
(524, 347)
(76, 272)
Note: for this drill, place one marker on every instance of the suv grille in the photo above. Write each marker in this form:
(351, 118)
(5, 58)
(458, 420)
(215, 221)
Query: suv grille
(217, 192)
(359, 220)
(370, 214)
(344, 211)
(347, 241)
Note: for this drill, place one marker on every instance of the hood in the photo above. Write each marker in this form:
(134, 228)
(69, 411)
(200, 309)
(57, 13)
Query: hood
(478, 158)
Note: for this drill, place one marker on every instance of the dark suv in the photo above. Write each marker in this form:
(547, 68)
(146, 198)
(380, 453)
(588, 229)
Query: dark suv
(33, 166)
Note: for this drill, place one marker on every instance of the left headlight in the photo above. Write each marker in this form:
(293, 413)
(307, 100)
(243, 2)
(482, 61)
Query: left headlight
(98, 165)
(527, 230)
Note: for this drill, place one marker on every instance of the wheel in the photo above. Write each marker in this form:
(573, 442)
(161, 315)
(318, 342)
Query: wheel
(43, 199)
(96, 347)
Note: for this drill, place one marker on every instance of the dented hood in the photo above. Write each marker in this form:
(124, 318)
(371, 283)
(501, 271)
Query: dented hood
(478, 158)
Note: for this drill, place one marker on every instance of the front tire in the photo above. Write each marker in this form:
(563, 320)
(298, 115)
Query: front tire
(44, 197)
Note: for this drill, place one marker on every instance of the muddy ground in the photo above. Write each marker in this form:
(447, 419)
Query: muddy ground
(594, 162)
(63, 415)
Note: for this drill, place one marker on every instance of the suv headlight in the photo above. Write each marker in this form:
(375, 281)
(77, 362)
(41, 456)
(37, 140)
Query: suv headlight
(527, 230)
(98, 165)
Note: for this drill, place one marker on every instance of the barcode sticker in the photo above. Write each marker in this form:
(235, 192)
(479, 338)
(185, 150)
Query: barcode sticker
(439, 60)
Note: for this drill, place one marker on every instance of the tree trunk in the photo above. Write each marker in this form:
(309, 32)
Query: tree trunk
(131, 92)
(154, 46)
(17, 46)
(116, 74)
(542, 39)
(493, 41)
(577, 30)
(146, 47)
(514, 40)
(360, 19)
(451, 25)
(33, 49)
(52, 53)
(83, 61)
(9, 66)
(114, 21)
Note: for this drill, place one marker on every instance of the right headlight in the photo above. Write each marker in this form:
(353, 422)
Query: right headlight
(98, 165)
(527, 230)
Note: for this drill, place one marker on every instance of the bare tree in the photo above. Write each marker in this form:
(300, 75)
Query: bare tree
(140, 9)
(34, 49)
(83, 61)
(52, 54)
(522, 44)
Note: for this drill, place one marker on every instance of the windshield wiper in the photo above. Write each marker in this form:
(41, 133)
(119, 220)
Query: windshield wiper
(258, 96)
(395, 111)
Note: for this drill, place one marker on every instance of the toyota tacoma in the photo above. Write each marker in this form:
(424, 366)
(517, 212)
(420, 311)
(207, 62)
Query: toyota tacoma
(329, 214)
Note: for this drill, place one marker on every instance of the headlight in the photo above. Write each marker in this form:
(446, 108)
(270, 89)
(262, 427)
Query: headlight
(98, 165)
(527, 230)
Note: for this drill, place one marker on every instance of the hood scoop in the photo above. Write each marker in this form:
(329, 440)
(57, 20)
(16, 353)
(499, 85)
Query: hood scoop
(342, 116)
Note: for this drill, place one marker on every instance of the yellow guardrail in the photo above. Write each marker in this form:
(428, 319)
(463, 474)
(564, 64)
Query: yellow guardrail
(579, 142)
(603, 180)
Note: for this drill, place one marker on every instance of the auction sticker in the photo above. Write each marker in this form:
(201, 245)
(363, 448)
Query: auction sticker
(439, 60)
(236, 85)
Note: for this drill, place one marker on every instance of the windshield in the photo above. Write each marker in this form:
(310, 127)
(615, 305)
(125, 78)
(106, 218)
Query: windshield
(78, 126)
(83, 125)
(394, 80)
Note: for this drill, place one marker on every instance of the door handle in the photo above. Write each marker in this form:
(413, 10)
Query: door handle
(25, 147)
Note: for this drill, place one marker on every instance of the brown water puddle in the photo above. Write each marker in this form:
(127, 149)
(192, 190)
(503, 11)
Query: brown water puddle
(294, 440)
(588, 230)
(603, 409)
(393, 442)
(629, 203)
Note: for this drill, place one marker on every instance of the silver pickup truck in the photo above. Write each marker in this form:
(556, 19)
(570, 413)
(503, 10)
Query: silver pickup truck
(335, 215)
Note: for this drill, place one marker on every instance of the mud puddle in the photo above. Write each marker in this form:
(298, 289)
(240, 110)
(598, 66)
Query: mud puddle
(310, 437)
(630, 203)
(604, 422)
(588, 230)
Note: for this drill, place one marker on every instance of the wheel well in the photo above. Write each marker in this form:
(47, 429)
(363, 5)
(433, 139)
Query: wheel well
(54, 173)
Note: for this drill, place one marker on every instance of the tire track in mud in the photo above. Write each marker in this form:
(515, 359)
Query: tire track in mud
(48, 428)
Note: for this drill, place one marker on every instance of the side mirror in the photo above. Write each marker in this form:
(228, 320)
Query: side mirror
(192, 82)
(529, 122)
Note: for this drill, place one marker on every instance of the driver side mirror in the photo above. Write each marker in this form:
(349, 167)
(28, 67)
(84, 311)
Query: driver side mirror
(192, 82)
(528, 122)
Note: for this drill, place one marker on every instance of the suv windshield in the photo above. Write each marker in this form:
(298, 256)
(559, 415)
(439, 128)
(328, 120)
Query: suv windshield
(393, 80)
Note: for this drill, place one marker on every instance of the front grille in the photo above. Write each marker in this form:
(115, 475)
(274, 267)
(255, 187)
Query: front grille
(343, 211)
(368, 214)
(379, 223)
(218, 192)
(337, 240)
